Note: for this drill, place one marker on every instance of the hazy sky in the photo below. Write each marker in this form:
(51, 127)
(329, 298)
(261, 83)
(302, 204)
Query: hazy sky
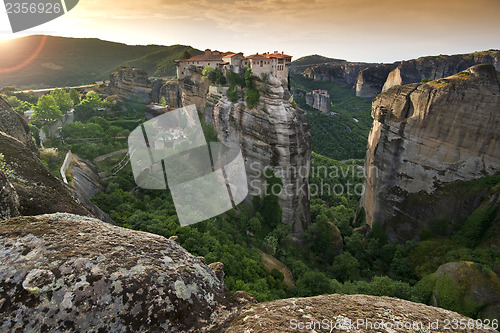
(356, 30)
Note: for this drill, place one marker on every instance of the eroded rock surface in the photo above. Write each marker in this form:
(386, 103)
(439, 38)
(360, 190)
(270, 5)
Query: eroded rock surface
(413, 71)
(345, 74)
(272, 135)
(130, 84)
(346, 313)
(14, 125)
(169, 90)
(9, 200)
(39, 191)
(67, 273)
(427, 135)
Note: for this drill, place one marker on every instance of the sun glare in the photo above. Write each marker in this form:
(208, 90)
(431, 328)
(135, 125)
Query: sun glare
(28, 60)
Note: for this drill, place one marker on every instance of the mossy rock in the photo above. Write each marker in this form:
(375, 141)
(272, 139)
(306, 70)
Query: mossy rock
(468, 288)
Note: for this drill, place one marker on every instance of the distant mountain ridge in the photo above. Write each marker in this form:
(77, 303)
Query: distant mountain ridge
(63, 61)
(370, 79)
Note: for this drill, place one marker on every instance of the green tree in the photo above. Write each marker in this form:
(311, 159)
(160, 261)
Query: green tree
(163, 102)
(63, 99)
(47, 109)
(8, 90)
(324, 238)
(88, 106)
(345, 267)
(186, 54)
(313, 283)
(252, 96)
(75, 97)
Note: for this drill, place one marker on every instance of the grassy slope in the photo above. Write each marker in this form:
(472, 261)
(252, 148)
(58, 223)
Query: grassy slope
(330, 133)
(73, 61)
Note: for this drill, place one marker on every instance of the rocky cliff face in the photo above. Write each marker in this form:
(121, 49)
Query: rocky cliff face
(345, 74)
(169, 90)
(349, 313)
(68, 273)
(319, 101)
(130, 84)
(37, 189)
(413, 71)
(12, 124)
(271, 135)
(9, 200)
(425, 136)
(193, 88)
(370, 79)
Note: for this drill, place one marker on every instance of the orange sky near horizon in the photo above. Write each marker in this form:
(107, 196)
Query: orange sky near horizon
(356, 30)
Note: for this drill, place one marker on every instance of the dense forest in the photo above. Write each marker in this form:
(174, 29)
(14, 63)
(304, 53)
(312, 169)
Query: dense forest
(343, 133)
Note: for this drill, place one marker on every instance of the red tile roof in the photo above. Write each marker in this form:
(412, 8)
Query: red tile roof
(218, 57)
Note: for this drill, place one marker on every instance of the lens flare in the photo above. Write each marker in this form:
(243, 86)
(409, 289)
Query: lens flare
(27, 61)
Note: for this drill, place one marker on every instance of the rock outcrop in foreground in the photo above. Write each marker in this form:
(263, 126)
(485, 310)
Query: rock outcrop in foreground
(425, 136)
(67, 273)
(347, 313)
(14, 125)
(9, 200)
(29, 187)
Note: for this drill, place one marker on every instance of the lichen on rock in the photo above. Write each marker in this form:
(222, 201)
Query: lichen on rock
(65, 273)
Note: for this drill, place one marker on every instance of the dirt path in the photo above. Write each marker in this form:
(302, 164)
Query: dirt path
(271, 262)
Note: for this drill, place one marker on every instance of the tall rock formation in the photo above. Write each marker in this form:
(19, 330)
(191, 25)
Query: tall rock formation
(275, 135)
(371, 80)
(130, 84)
(319, 99)
(271, 135)
(167, 89)
(9, 200)
(425, 136)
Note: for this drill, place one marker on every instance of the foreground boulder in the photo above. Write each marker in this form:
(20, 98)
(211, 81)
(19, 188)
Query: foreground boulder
(348, 313)
(67, 273)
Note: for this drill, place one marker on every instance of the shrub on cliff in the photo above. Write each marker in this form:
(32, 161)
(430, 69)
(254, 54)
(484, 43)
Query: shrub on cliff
(252, 96)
